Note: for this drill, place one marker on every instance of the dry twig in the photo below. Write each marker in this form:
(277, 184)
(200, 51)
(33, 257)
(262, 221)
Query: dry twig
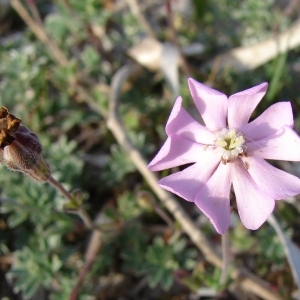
(185, 64)
(134, 7)
(39, 32)
(92, 251)
(243, 59)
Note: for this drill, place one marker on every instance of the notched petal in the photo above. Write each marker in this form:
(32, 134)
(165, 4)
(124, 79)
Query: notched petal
(270, 121)
(188, 182)
(242, 104)
(213, 198)
(254, 206)
(182, 124)
(272, 181)
(283, 145)
(211, 104)
(176, 151)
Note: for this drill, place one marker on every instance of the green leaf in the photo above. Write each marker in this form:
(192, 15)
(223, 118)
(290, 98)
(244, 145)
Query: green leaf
(57, 26)
(90, 58)
(16, 219)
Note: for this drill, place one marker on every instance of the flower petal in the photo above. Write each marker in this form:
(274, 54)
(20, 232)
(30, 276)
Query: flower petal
(211, 104)
(182, 124)
(242, 104)
(271, 181)
(176, 151)
(271, 120)
(188, 182)
(283, 145)
(213, 198)
(253, 205)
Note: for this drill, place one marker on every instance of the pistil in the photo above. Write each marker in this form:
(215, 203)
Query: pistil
(230, 144)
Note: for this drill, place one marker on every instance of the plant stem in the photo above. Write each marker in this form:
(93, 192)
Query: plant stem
(59, 187)
(225, 259)
(134, 7)
(85, 218)
(40, 32)
(80, 212)
(185, 65)
(35, 12)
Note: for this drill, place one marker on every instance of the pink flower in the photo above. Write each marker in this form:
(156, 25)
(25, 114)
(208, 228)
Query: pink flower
(230, 151)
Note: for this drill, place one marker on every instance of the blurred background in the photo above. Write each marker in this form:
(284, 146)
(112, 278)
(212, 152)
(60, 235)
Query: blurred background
(57, 62)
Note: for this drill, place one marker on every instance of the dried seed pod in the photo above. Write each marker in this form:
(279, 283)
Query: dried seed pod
(20, 148)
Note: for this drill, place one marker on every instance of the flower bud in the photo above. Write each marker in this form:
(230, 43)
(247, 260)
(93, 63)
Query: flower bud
(20, 148)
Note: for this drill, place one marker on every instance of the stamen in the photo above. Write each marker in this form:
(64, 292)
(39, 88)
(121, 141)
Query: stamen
(230, 144)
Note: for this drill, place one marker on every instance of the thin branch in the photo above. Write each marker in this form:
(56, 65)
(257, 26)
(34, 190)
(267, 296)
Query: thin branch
(84, 216)
(93, 249)
(134, 7)
(39, 31)
(80, 280)
(248, 281)
(164, 216)
(291, 250)
(94, 244)
(156, 207)
(34, 11)
(185, 64)
(80, 212)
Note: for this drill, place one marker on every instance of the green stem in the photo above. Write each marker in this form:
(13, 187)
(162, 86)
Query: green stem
(225, 259)
(80, 212)
(59, 187)
(85, 218)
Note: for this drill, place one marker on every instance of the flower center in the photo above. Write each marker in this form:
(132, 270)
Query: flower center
(230, 144)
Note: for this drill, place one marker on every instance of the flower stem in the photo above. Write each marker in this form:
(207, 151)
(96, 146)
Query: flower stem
(59, 187)
(85, 218)
(80, 212)
(225, 259)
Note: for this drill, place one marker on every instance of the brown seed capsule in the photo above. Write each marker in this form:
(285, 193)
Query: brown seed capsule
(20, 148)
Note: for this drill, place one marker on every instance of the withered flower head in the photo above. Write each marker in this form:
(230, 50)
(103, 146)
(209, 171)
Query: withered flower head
(20, 148)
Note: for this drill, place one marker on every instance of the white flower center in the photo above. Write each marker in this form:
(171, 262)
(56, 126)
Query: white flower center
(230, 144)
